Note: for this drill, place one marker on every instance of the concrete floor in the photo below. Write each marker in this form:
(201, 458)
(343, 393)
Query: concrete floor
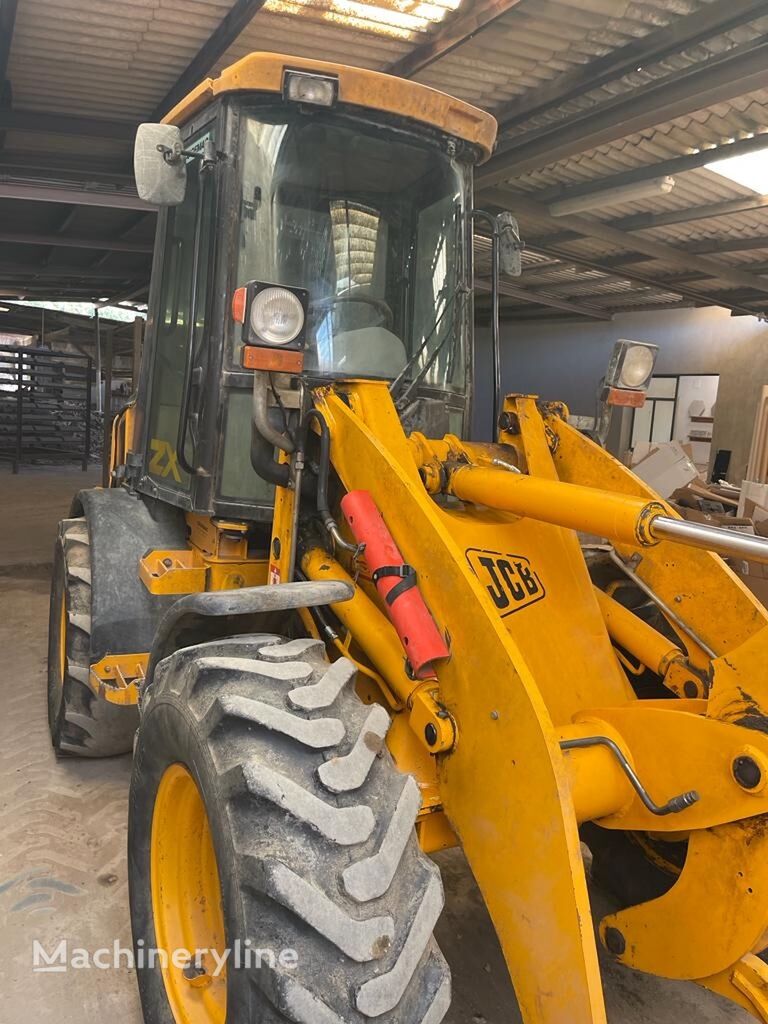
(62, 835)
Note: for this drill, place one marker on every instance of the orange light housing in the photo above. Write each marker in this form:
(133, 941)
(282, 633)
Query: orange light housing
(622, 396)
(238, 305)
(255, 357)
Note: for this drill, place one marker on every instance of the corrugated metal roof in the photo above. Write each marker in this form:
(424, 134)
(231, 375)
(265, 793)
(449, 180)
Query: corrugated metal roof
(106, 59)
(540, 39)
(96, 58)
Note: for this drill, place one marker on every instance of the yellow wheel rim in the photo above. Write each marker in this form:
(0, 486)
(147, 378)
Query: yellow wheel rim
(186, 900)
(63, 621)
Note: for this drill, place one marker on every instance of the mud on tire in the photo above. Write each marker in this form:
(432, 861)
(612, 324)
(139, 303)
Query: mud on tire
(80, 722)
(312, 827)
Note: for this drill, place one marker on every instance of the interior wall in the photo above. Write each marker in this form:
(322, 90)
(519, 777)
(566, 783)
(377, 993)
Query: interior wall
(565, 361)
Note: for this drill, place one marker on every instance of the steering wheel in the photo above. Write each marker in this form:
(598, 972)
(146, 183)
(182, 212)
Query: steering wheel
(379, 305)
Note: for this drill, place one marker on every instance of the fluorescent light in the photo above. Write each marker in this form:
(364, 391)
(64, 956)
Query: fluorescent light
(612, 196)
(749, 170)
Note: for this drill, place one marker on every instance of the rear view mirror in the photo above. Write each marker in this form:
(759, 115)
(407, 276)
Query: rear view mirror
(510, 246)
(158, 164)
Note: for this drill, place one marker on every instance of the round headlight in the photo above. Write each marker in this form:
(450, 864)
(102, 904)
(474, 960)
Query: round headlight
(637, 366)
(277, 316)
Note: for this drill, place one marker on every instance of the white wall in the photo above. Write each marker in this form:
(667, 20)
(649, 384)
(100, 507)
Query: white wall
(702, 390)
(566, 360)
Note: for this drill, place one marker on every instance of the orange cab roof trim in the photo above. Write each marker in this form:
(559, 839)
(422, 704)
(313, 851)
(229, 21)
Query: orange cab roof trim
(263, 72)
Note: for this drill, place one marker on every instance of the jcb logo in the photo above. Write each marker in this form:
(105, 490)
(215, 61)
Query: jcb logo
(509, 579)
(164, 461)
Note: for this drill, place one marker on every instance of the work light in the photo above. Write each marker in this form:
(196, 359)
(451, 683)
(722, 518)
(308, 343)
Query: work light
(273, 320)
(631, 366)
(277, 316)
(305, 87)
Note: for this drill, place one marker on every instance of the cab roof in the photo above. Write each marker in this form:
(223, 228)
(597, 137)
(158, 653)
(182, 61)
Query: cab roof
(263, 72)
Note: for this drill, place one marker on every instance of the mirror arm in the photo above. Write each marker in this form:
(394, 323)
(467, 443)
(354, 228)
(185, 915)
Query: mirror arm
(207, 157)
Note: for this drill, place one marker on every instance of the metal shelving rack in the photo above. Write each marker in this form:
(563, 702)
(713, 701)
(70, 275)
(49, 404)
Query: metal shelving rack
(45, 406)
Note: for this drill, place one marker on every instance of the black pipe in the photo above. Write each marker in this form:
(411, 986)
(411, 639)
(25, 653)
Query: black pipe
(263, 461)
(279, 473)
(323, 468)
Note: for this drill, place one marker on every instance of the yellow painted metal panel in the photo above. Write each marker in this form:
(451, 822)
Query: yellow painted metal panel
(263, 72)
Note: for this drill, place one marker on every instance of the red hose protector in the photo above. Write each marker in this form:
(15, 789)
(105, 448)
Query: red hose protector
(405, 606)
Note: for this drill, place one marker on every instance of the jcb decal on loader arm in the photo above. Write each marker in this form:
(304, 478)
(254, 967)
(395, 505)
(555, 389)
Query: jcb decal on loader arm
(509, 579)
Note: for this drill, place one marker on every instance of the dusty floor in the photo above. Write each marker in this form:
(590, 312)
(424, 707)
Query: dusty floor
(62, 835)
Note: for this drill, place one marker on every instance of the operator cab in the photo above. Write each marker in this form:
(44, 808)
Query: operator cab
(315, 225)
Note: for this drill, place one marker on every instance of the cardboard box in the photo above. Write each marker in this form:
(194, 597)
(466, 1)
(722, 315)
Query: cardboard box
(758, 515)
(726, 490)
(666, 468)
(753, 492)
(736, 524)
(641, 451)
(723, 520)
(695, 494)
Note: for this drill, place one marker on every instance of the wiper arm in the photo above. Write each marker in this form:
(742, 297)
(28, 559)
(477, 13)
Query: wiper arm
(403, 375)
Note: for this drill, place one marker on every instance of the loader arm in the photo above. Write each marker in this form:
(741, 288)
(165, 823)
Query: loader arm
(532, 669)
(504, 787)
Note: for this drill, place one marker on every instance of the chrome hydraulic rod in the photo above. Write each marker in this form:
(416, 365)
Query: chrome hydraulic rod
(712, 538)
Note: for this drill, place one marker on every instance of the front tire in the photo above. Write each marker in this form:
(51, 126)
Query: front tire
(80, 722)
(262, 786)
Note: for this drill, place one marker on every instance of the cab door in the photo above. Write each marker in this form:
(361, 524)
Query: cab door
(179, 343)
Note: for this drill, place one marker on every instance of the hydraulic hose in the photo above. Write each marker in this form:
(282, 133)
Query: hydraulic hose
(323, 472)
(323, 468)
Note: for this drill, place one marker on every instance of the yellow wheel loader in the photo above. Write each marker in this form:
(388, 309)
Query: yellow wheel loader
(339, 636)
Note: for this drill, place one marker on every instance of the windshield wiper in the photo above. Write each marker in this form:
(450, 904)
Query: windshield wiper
(400, 400)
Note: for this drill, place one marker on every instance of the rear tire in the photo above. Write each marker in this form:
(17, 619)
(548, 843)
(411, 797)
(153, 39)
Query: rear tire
(312, 828)
(81, 723)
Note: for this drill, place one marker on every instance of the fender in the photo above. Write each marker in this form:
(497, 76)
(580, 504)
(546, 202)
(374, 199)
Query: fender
(122, 527)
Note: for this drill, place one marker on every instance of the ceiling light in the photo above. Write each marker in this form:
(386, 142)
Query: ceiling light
(612, 196)
(749, 170)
